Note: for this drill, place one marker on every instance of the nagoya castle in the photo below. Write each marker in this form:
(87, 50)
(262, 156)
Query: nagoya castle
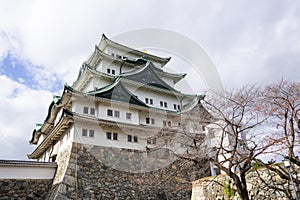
(118, 131)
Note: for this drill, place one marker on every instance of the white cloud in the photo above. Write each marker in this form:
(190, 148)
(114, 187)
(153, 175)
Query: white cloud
(20, 108)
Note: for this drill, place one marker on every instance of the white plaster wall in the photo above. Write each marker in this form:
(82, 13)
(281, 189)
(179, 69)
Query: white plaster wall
(159, 118)
(26, 172)
(101, 140)
(105, 63)
(102, 113)
(96, 82)
(79, 104)
(168, 80)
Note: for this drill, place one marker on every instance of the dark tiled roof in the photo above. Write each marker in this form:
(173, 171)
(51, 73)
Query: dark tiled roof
(26, 163)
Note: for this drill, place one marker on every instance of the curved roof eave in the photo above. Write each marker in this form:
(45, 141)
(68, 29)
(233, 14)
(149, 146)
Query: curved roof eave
(192, 104)
(52, 110)
(105, 41)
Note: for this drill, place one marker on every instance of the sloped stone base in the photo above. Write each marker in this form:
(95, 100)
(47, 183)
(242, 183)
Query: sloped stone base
(94, 172)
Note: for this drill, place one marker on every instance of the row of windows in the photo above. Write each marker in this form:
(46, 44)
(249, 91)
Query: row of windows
(88, 133)
(110, 71)
(162, 103)
(116, 113)
(150, 120)
(149, 101)
(90, 111)
(151, 141)
(176, 106)
(109, 135)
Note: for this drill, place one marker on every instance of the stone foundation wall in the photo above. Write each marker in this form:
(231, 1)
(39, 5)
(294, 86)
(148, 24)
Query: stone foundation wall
(95, 172)
(211, 188)
(24, 189)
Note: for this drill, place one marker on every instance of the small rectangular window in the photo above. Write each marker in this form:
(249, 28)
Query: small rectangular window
(148, 141)
(165, 104)
(117, 113)
(165, 123)
(113, 71)
(152, 121)
(154, 141)
(115, 136)
(84, 132)
(147, 100)
(108, 70)
(178, 107)
(161, 103)
(92, 111)
(147, 120)
(135, 139)
(85, 110)
(175, 106)
(151, 101)
(91, 133)
(129, 138)
(109, 112)
(128, 115)
(108, 135)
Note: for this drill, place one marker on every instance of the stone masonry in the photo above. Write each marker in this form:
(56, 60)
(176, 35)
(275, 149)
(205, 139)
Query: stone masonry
(94, 172)
(24, 189)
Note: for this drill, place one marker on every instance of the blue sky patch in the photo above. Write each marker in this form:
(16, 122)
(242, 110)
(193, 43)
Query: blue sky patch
(27, 74)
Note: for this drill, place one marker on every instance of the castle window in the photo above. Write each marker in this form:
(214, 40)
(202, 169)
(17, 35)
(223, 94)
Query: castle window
(169, 123)
(178, 107)
(109, 112)
(108, 135)
(111, 136)
(147, 120)
(151, 101)
(92, 111)
(154, 141)
(175, 106)
(165, 123)
(110, 71)
(163, 104)
(151, 141)
(91, 133)
(135, 139)
(117, 113)
(128, 115)
(150, 120)
(129, 138)
(85, 110)
(84, 132)
(115, 136)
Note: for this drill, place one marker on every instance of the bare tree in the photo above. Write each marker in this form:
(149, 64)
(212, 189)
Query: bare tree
(282, 104)
(239, 140)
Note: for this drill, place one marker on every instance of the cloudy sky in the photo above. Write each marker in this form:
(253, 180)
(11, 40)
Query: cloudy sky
(43, 44)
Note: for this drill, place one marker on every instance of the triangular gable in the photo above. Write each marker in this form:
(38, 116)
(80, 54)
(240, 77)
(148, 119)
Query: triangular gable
(117, 92)
(147, 76)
